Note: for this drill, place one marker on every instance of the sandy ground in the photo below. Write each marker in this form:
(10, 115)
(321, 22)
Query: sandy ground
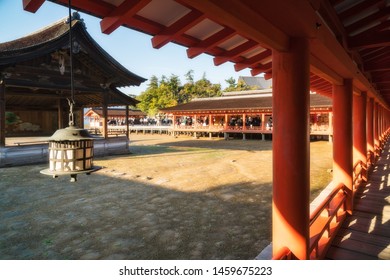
(171, 198)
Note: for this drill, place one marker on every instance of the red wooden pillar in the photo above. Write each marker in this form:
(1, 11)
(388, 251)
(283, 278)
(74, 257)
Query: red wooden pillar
(370, 129)
(291, 165)
(330, 119)
(376, 129)
(263, 121)
(342, 138)
(359, 129)
(127, 123)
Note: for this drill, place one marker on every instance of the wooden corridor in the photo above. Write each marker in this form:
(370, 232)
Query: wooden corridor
(366, 234)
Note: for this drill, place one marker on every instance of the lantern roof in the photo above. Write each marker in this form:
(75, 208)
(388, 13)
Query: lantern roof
(71, 133)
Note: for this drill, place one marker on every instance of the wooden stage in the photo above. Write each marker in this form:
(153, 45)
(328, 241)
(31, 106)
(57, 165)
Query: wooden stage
(366, 234)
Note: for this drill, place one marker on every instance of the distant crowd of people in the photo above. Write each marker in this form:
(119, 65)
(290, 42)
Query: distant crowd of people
(140, 121)
(233, 121)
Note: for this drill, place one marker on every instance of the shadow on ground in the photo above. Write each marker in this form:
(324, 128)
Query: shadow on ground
(117, 217)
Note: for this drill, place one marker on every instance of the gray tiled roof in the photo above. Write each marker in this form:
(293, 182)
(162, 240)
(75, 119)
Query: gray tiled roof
(249, 102)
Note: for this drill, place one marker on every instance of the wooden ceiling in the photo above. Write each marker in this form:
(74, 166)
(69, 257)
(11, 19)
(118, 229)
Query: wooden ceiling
(348, 38)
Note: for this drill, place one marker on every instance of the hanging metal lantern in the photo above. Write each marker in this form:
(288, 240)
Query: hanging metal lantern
(70, 153)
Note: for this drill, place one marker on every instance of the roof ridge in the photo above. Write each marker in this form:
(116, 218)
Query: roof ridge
(62, 20)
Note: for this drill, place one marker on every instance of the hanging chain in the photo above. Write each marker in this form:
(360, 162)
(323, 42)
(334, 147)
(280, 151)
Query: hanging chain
(71, 101)
(71, 119)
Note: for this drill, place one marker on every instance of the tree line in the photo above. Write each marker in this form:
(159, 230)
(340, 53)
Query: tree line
(169, 91)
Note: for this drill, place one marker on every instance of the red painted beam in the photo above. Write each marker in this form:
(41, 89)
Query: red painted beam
(118, 16)
(178, 28)
(210, 42)
(140, 23)
(32, 5)
(252, 60)
(261, 69)
(234, 53)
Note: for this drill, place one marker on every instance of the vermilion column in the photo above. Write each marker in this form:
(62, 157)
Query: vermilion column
(359, 129)
(291, 165)
(376, 128)
(342, 138)
(370, 128)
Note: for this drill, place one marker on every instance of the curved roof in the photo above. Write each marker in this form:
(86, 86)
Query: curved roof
(31, 64)
(238, 103)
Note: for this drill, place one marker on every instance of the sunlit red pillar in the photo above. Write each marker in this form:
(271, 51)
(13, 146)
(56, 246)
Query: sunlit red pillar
(342, 137)
(359, 129)
(291, 181)
(376, 128)
(370, 129)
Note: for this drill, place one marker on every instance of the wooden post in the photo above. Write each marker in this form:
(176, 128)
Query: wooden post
(291, 164)
(359, 130)
(330, 125)
(2, 113)
(263, 121)
(376, 129)
(370, 128)
(105, 115)
(342, 137)
(127, 123)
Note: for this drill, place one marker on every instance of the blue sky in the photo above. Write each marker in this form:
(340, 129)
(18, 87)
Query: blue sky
(131, 48)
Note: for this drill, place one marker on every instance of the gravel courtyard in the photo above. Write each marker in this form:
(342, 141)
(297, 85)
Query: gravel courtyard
(171, 198)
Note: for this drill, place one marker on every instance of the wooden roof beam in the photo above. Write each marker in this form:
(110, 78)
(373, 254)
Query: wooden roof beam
(32, 5)
(148, 26)
(176, 29)
(329, 14)
(118, 16)
(358, 8)
(261, 69)
(383, 65)
(210, 42)
(231, 11)
(383, 78)
(234, 53)
(379, 16)
(377, 53)
(323, 71)
(252, 60)
(372, 40)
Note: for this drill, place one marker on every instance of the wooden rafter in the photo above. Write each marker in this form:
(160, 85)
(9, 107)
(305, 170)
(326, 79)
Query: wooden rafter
(118, 15)
(371, 40)
(250, 62)
(32, 5)
(379, 16)
(175, 30)
(210, 42)
(234, 53)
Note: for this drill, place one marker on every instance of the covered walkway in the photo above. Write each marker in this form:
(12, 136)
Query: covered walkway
(366, 234)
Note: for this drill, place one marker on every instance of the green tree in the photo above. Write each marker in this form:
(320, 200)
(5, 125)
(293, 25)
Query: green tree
(168, 92)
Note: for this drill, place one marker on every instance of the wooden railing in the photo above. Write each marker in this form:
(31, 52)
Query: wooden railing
(359, 174)
(325, 220)
(283, 254)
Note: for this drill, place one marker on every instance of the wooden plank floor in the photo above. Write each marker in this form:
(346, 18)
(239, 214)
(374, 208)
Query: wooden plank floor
(366, 234)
